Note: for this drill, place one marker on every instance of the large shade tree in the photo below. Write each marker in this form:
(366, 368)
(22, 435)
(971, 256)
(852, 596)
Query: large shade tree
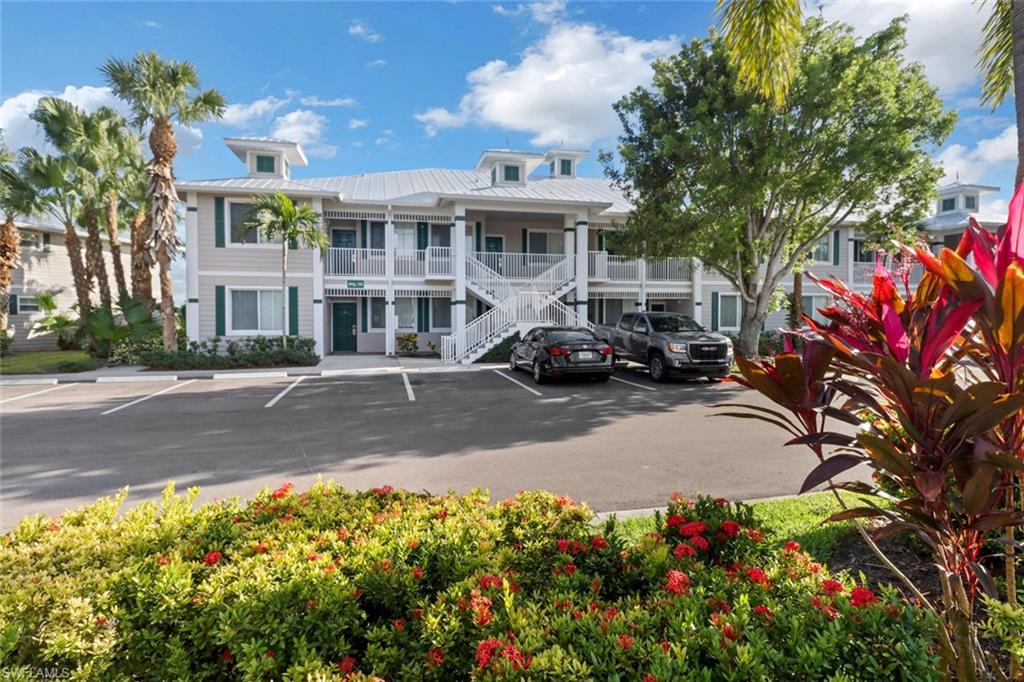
(162, 93)
(750, 188)
(279, 219)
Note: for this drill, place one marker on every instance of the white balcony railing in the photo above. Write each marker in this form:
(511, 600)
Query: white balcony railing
(672, 269)
(439, 262)
(410, 263)
(347, 262)
(623, 269)
(607, 267)
(511, 265)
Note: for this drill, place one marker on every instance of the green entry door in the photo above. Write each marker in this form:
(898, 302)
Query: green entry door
(343, 326)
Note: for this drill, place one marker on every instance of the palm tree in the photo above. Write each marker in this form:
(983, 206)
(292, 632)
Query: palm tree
(1001, 59)
(162, 93)
(763, 41)
(55, 180)
(277, 217)
(140, 226)
(17, 197)
(122, 155)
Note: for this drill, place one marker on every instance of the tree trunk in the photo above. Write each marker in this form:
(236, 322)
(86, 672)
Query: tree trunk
(797, 311)
(284, 293)
(163, 199)
(1018, 85)
(142, 257)
(83, 287)
(10, 253)
(115, 247)
(94, 255)
(751, 323)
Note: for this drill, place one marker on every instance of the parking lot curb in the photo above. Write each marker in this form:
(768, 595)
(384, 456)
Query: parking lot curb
(28, 382)
(600, 517)
(134, 378)
(252, 375)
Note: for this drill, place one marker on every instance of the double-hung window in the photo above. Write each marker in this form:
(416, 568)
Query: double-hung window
(405, 308)
(862, 253)
(239, 213)
(948, 204)
(822, 252)
(811, 304)
(27, 304)
(377, 312)
(256, 311)
(729, 312)
(31, 240)
(440, 314)
(264, 164)
(511, 173)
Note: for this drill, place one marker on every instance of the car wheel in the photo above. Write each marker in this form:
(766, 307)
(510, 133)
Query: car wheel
(538, 375)
(512, 364)
(656, 366)
(602, 378)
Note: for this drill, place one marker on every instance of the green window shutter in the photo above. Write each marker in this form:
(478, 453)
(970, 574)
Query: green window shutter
(600, 240)
(12, 305)
(362, 235)
(218, 222)
(526, 241)
(264, 164)
(293, 311)
(219, 314)
(365, 305)
(46, 241)
(479, 236)
(421, 236)
(714, 311)
(835, 248)
(423, 314)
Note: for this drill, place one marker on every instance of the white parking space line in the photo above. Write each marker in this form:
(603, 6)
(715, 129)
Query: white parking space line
(285, 392)
(516, 381)
(623, 381)
(147, 397)
(29, 395)
(408, 387)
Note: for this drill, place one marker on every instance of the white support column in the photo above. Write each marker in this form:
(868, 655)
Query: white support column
(459, 249)
(318, 289)
(697, 282)
(192, 267)
(390, 312)
(582, 265)
(850, 249)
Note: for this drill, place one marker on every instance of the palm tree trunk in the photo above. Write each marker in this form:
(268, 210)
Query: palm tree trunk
(284, 292)
(1018, 85)
(94, 255)
(142, 257)
(115, 247)
(162, 200)
(10, 253)
(83, 286)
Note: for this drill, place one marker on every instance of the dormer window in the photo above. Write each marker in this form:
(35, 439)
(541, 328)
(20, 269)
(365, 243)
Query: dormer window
(565, 167)
(970, 202)
(264, 164)
(511, 173)
(948, 204)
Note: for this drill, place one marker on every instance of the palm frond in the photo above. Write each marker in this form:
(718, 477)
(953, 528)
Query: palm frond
(762, 38)
(995, 54)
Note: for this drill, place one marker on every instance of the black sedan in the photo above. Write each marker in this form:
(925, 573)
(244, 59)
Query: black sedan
(557, 351)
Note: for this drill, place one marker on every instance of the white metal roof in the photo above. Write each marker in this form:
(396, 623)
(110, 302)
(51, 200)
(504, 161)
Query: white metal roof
(950, 220)
(292, 150)
(256, 186)
(955, 187)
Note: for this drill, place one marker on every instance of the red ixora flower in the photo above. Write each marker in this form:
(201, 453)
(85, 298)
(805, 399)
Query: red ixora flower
(831, 586)
(650, 678)
(212, 558)
(730, 528)
(721, 501)
(763, 610)
(163, 560)
(683, 550)
(398, 624)
(700, 543)
(674, 520)
(692, 529)
(758, 577)
(227, 656)
(282, 491)
(755, 535)
(435, 657)
(861, 597)
(382, 491)
(347, 664)
(626, 641)
(598, 542)
(488, 581)
(677, 582)
(417, 572)
(791, 547)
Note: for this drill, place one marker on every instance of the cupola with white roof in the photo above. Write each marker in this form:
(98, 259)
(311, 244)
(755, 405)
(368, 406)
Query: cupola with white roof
(562, 162)
(508, 166)
(267, 157)
(958, 196)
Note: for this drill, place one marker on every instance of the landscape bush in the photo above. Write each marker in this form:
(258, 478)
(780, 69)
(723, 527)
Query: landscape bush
(408, 343)
(129, 351)
(71, 366)
(251, 351)
(500, 352)
(5, 343)
(332, 584)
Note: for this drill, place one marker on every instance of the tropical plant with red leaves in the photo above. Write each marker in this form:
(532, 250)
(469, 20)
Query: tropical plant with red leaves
(942, 438)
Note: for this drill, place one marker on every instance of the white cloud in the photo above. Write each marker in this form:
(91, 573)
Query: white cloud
(387, 136)
(354, 123)
(562, 89)
(360, 29)
(308, 129)
(315, 101)
(149, 23)
(942, 34)
(377, 63)
(972, 164)
(543, 11)
(996, 206)
(251, 113)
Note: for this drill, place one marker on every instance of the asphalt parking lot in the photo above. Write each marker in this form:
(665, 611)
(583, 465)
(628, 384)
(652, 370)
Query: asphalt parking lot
(626, 444)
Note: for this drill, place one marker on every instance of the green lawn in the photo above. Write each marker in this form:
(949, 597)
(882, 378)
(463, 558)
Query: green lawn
(797, 518)
(42, 362)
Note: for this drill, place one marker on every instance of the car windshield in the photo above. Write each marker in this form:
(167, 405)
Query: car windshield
(674, 323)
(570, 336)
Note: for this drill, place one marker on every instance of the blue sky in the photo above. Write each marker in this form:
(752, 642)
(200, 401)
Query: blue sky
(383, 86)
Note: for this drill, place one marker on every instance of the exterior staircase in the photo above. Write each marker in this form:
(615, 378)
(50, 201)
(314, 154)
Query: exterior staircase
(516, 307)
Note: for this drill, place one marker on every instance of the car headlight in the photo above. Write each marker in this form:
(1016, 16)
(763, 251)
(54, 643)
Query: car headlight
(677, 348)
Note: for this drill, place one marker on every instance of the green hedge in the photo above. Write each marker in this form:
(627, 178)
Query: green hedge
(501, 351)
(251, 351)
(331, 584)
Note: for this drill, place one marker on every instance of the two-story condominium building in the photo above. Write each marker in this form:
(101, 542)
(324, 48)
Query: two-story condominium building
(464, 258)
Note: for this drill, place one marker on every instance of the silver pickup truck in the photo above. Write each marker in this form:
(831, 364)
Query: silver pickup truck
(669, 342)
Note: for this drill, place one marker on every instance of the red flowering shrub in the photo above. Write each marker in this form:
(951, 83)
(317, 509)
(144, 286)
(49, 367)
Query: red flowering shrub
(391, 585)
